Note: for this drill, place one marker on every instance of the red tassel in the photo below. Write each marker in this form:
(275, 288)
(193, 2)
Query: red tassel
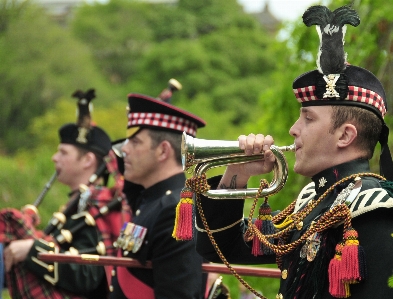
(265, 225)
(256, 245)
(353, 259)
(183, 229)
(337, 288)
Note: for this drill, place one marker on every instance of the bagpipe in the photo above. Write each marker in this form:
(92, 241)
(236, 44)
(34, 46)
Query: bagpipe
(103, 207)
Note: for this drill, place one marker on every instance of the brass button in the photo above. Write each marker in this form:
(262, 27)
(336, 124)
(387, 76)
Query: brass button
(51, 268)
(137, 212)
(299, 225)
(284, 274)
(168, 192)
(113, 272)
(279, 296)
(111, 288)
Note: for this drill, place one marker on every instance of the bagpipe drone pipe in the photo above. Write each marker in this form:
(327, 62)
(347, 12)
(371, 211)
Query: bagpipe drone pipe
(106, 209)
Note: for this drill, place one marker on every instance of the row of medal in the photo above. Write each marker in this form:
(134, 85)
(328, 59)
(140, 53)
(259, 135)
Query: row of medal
(131, 237)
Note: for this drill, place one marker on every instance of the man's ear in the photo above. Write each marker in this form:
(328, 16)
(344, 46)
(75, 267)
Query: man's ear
(348, 134)
(89, 159)
(164, 150)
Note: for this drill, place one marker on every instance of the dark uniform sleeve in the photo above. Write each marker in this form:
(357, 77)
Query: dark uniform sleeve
(177, 267)
(219, 215)
(375, 236)
(77, 278)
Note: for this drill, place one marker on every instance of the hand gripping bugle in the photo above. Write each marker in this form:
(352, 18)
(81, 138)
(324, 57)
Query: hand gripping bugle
(59, 218)
(207, 154)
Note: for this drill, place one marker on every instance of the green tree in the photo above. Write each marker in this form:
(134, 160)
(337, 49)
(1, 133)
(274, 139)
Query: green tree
(212, 47)
(40, 62)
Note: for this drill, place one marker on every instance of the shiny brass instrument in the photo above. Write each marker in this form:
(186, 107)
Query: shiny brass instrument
(208, 154)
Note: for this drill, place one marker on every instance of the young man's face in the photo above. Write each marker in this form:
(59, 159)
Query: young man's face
(67, 164)
(315, 146)
(140, 160)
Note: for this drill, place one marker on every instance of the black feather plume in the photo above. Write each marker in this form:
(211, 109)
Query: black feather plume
(331, 27)
(84, 99)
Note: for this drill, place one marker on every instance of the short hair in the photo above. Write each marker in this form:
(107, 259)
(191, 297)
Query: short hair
(367, 123)
(83, 151)
(157, 136)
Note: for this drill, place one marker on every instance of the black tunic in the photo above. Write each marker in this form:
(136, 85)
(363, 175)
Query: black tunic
(372, 219)
(176, 266)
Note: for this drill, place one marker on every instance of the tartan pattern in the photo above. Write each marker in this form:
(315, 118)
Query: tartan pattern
(305, 94)
(161, 120)
(110, 224)
(15, 225)
(29, 286)
(355, 94)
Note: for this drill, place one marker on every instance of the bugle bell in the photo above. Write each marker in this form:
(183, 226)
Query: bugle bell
(207, 154)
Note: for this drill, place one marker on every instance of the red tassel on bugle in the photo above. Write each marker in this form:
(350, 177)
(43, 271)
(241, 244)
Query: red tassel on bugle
(183, 229)
(256, 244)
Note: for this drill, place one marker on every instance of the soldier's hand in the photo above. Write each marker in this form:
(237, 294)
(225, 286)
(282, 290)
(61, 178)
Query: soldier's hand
(16, 252)
(251, 144)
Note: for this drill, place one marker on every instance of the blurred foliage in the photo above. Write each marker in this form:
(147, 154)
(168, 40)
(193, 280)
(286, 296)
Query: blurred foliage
(40, 61)
(235, 75)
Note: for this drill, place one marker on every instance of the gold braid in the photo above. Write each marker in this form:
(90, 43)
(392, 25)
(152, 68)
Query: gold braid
(330, 218)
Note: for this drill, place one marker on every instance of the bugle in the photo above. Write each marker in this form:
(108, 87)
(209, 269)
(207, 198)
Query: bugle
(208, 154)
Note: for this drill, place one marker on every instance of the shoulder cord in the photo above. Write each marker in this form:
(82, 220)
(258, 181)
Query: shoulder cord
(337, 214)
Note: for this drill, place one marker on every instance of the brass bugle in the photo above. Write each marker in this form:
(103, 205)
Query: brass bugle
(207, 154)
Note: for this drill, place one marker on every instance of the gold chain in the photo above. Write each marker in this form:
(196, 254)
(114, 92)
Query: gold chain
(337, 214)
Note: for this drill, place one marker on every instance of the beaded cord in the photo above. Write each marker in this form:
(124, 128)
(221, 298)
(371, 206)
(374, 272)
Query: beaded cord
(330, 218)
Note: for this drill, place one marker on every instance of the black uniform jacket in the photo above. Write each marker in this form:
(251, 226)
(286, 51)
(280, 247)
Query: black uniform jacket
(84, 280)
(372, 217)
(176, 266)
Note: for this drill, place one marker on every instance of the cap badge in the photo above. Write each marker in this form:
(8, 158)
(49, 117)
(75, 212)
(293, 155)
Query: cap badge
(331, 80)
(82, 135)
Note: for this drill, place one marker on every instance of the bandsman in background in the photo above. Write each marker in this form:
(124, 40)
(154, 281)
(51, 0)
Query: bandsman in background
(152, 163)
(89, 223)
(334, 240)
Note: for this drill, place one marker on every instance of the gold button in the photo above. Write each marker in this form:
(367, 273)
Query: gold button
(137, 212)
(284, 274)
(279, 296)
(113, 272)
(168, 192)
(111, 288)
(299, 225)
(51, 268)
